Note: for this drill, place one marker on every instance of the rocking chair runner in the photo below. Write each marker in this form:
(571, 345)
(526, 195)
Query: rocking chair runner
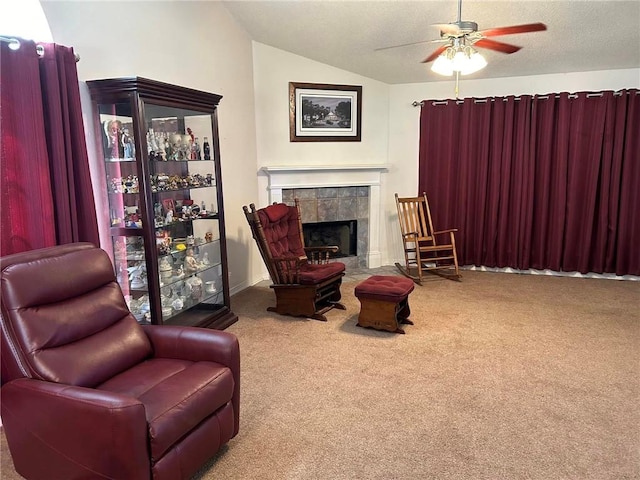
(306, 284)
(421, 250)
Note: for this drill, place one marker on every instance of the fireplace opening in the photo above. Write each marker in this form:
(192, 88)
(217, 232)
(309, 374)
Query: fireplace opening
(341, 233)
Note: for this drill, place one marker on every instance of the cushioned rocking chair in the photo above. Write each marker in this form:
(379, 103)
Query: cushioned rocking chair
(422, 252)
(305, 282)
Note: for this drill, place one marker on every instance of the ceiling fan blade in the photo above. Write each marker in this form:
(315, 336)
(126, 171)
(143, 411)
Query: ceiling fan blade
(405, 45)
(498, 46)
(436, 53)
(513, 29)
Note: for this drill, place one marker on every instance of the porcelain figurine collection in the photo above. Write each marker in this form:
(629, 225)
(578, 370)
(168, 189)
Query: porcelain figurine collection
(176, 147)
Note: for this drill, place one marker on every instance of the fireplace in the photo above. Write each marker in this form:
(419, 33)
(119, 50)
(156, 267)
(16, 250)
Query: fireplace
(334, 193)
(343, 234)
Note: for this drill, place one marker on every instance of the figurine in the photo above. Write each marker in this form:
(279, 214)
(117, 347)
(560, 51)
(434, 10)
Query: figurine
(180, 272)
(210, 287)
(195, 284)
(157, 209)
(113, 132)
(190, 262)
(136, 276)
(165, 269)
(127, 144)
(198, 151)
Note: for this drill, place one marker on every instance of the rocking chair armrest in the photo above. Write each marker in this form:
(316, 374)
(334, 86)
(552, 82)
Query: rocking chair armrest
(293, 258)
(450, 230)
(321, 254)
(410, 234)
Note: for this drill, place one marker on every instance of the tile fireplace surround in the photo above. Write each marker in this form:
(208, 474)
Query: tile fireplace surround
(330, 193)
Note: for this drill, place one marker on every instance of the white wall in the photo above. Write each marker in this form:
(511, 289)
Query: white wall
(192, 44)
(199, 45)
(273, 70)
(404, 131)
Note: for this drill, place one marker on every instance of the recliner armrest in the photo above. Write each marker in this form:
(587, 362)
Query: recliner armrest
(195, 344)
(79, 429)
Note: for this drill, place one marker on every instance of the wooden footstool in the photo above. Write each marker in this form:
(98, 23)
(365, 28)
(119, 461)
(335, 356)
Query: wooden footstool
(384, 302)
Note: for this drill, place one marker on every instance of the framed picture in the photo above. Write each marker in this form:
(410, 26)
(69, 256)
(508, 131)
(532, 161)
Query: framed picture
(320, 112)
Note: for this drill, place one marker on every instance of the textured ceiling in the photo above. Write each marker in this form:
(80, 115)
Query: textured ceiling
(582, 35)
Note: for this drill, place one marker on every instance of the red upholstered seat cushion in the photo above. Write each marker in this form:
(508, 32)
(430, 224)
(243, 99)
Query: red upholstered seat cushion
(386, 288)
(311, 274)
(177, 396)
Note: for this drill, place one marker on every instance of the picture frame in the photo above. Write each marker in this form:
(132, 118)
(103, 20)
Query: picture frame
(322, 112)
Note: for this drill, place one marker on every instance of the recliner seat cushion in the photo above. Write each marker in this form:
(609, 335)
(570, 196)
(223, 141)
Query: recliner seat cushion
(177, 395)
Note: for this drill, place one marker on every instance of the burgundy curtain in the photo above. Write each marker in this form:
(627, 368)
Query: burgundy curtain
(46, 192)
(537, 182)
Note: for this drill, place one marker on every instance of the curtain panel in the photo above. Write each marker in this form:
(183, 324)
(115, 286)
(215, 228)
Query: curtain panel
(46, 191)
(543, 182)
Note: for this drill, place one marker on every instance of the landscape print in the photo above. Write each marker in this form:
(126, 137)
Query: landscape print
(326, 111)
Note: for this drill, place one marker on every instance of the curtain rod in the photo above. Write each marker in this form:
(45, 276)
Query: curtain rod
(492, 99)
(15, 44)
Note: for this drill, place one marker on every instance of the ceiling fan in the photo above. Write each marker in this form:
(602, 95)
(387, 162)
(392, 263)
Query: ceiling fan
(460, 37)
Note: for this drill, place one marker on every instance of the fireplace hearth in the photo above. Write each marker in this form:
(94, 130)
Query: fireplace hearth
(342, 233)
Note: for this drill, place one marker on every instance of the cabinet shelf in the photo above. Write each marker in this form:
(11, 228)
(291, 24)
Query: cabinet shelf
(213, 216)
(141, 122)
(173, 280)
(174, 251)
(178, 161)
(119, 160)
(183, 189)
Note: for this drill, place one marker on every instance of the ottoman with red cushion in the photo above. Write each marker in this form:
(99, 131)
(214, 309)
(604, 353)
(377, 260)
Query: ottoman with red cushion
(384, 302)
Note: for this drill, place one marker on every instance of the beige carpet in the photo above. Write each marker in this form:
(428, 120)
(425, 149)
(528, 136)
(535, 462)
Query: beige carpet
(502, 377)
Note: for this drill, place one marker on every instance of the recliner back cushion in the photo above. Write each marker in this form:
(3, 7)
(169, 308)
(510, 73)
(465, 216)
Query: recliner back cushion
(67, 319)
(282, 230)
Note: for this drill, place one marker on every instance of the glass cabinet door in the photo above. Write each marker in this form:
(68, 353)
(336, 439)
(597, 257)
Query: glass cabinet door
(125, 217)
(181, 174)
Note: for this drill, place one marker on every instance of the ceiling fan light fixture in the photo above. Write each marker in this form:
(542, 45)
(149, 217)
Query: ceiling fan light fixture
(461, 58)
(443, 65)
(473, 63)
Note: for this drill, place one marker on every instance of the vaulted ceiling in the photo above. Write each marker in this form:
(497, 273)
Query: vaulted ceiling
(582, 35)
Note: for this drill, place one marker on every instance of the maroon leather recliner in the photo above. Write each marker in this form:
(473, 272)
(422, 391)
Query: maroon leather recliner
(87, 392)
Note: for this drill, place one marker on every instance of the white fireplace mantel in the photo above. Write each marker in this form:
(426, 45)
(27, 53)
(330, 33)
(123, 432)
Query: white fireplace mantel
(326, 176)
(318, 176)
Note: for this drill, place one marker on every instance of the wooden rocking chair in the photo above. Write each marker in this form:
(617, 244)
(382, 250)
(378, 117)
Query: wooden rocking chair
(422, 252)
(306, 284)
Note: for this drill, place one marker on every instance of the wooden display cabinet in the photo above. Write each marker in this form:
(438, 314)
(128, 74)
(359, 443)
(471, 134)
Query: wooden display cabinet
(162, 165)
